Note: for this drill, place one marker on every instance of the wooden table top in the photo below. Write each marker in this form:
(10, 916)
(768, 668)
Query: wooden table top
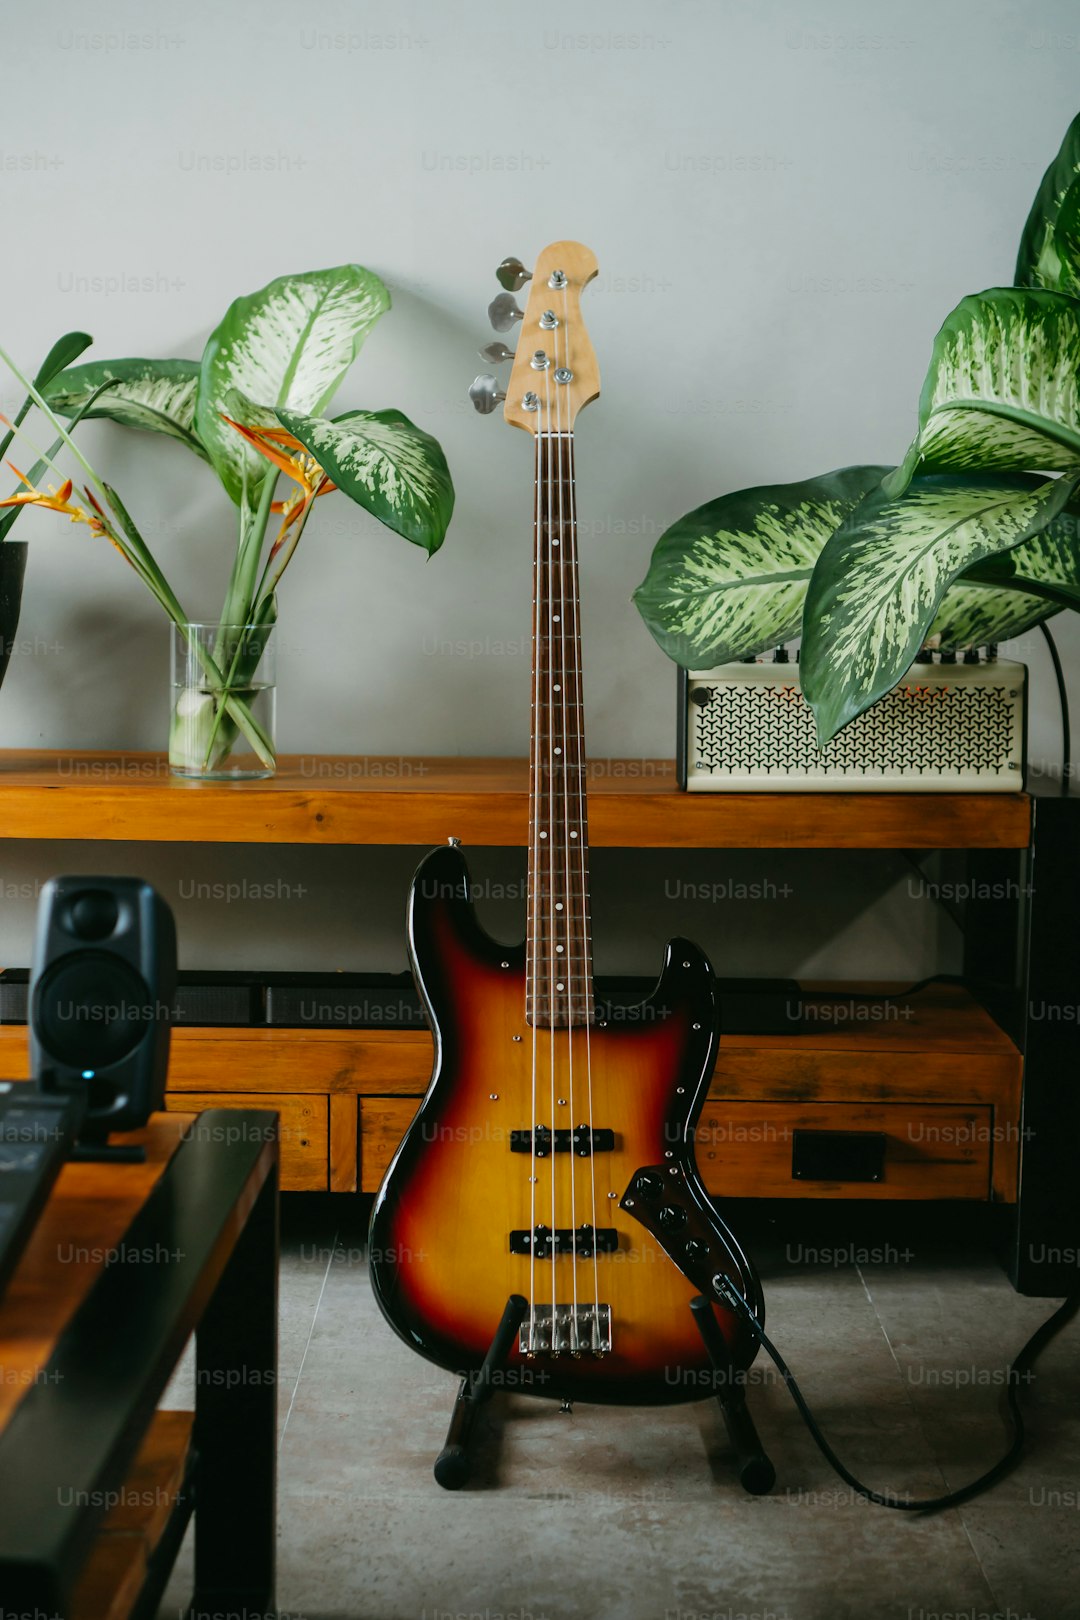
(88, 1212)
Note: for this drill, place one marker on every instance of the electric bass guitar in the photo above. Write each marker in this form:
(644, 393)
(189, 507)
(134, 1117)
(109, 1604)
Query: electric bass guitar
(537, 1167)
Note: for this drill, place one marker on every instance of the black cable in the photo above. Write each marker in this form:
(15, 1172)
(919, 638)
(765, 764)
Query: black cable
(1063, 699)
(1038, 1341)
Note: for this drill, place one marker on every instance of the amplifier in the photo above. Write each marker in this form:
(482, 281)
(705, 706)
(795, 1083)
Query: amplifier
(946, 728)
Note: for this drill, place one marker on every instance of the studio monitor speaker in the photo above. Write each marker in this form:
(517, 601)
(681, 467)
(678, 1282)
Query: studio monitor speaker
(102, 987)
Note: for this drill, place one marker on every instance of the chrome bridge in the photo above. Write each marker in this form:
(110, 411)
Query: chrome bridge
(566, 1330)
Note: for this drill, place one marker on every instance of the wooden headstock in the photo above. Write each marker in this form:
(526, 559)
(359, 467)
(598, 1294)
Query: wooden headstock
(562, 271)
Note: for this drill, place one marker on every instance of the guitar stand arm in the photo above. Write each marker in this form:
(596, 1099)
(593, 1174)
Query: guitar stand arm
(756, 1473)
(453, 1464)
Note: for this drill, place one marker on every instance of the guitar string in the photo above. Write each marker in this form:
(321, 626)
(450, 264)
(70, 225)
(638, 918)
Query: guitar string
(549, 505)
(533, 958)
(568, 912)
(582, 806)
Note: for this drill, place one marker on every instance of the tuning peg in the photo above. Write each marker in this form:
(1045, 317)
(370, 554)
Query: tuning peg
(485, 394)
(503, 312)
(512, 275)
(496, 353)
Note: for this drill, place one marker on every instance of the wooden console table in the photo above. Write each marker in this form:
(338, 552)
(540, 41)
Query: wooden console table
(344, 1096)
(96, 1483)
(325, 799)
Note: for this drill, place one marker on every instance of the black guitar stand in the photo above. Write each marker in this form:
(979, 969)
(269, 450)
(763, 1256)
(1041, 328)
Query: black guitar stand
(756, 1473)
(453, 1464)
(670, 1202)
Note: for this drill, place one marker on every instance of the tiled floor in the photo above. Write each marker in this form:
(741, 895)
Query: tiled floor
(634, 1515)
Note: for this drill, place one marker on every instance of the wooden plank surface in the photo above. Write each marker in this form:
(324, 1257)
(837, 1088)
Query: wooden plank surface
(86, 1217)
(362, 799)
(744, 1149)
(383, 1122)
(303, 1130)
(344, 1141)
(112, 1578)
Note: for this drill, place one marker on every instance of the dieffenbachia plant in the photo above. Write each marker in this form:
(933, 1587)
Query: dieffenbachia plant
(972, 539)
(253, 407)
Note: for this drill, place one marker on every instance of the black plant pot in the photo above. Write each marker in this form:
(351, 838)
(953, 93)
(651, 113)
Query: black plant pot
(12, 569)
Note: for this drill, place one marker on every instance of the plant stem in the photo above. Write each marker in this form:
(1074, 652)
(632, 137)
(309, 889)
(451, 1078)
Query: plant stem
(245, 678)
(139, 553)
(271, 576)
(238, 598)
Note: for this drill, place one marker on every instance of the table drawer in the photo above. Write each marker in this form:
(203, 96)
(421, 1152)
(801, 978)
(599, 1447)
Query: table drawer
(918, 1150)
(303, 1130)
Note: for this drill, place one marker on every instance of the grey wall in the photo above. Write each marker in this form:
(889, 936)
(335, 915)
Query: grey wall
(785, 202)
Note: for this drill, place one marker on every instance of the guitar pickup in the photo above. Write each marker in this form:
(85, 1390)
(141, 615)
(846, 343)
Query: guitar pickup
(581, 1140)
(582, 1241)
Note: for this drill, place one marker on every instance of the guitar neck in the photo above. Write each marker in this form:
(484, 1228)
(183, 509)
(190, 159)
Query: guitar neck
(559, 983)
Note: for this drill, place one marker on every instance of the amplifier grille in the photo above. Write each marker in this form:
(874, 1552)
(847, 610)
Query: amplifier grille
(758, 728)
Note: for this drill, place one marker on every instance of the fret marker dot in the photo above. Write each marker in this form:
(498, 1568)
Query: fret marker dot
(558, 905)
(560, 987)
(573, 835)
(558, 750)
(560, 948)
(543, 835)
(556, 688)
(556, 619)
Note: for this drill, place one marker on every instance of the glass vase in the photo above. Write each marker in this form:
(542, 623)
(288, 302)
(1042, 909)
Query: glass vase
(223, 702)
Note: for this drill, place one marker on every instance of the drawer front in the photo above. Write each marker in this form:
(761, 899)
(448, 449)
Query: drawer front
(288, 1061)
(744, 1149)
(303, 1130)
(383, 1122)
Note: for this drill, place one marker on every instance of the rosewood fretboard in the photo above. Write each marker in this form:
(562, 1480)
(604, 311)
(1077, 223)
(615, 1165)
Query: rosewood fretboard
(559, 986)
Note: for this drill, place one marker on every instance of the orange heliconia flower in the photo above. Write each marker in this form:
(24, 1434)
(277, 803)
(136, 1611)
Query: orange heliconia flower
(286, 452)
(59, 500)
(55, 500)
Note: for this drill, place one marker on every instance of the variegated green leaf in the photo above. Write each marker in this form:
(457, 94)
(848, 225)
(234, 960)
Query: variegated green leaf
(155, 394)
(976, 615)
(729, 579)
(249, 412)
(387, 465)
(1043, 260)
(1003, 388)
(989, 603)
(289, 344)
(1059, 259)
(881, 577)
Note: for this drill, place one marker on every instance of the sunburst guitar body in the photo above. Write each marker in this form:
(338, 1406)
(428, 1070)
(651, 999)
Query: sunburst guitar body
(550, 1119)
